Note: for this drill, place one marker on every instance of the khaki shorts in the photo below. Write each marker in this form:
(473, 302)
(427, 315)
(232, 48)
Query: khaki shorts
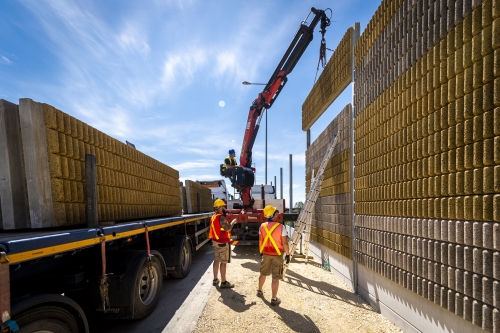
(272, 264)
(222, 252)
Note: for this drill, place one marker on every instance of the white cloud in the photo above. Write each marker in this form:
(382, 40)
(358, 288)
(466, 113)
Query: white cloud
(179, 68)
(4, 60)
(133, 40)
(226, 62)
(193, 165)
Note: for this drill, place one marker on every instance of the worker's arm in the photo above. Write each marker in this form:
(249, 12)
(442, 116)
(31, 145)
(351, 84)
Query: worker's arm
(224, 224)
(284, 241)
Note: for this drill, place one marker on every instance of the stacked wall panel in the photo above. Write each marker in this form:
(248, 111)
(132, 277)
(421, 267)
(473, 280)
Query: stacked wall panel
(14, 212)
(332, 222)
(192, 204)
(131, 185)
(184, 200)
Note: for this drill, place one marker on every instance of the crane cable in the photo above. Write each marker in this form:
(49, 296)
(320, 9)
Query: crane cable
(322, 56)
(325, 22)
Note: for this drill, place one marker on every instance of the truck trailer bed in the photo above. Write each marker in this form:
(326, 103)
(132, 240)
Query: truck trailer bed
(20, 246)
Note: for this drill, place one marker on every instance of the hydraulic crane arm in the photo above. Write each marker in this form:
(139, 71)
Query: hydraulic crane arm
(243, 178)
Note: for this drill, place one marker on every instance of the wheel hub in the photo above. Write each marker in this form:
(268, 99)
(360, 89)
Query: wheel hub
(148, 284)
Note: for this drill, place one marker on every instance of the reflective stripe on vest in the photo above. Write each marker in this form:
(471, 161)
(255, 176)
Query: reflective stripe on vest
(270, 237)
(213, 234)
(212, 220)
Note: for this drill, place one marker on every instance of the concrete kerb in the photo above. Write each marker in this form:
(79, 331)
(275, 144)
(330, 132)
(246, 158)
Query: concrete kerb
(186, 317)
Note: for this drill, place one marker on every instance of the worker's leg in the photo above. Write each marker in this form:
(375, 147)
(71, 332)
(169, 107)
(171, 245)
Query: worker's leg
(265, 269)
(216, 269)
(262, 279)
(277, 272)
(223, 271)
(274, 287)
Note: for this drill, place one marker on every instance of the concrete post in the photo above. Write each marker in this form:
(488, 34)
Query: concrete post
(91, 207)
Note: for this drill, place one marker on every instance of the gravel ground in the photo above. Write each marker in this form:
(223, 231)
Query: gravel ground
(312, 301)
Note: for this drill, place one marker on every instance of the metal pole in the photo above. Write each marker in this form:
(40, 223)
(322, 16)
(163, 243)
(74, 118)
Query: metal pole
(91, 191)
(281, 183)
(308, 144)
(291, 185)
(355, 36)
(266, 147)
(275, 188)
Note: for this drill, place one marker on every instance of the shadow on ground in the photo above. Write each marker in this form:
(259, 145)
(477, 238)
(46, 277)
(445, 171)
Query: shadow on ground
(294, 320)
(234, 300)
(325, 289)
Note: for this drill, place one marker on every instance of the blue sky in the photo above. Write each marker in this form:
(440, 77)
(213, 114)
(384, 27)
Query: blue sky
(166, 75)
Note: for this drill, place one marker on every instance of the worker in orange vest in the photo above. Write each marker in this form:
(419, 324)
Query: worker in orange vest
(273, 242)
(220, 233)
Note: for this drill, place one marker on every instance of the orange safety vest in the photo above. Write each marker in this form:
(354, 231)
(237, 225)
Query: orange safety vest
(270, 239)
(217, 233)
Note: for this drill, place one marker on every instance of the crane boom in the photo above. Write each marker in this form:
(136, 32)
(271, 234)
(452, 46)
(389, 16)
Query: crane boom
(243, 178)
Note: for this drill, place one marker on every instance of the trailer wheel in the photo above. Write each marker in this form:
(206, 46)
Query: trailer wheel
(185, 261)
(148, 286)
(48, 318)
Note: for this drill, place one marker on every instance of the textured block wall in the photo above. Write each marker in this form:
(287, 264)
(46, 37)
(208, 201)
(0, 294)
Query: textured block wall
(335, 77)
(427, 152)
(332, 221)
(207, 204)
(383, 15)
(131, 185)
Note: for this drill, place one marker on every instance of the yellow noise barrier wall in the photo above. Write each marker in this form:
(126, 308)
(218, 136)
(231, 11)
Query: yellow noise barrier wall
(131, 185)
(331, 224)
(427, 153)
(335, 77)
(377, 24)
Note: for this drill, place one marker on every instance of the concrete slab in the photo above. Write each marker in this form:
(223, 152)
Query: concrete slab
(13, 199)
(36, 163)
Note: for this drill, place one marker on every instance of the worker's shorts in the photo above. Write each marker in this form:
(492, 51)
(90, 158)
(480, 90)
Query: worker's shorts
(222, 252)
(272, 264)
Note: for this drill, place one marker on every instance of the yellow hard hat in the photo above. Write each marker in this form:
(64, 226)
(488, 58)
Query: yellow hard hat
(219, 203)
(269, 211)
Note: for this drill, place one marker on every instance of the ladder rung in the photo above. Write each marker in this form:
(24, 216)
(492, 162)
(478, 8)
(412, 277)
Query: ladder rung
(305, 216)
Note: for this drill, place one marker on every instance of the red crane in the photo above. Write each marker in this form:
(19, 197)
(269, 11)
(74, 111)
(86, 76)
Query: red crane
(242, 178)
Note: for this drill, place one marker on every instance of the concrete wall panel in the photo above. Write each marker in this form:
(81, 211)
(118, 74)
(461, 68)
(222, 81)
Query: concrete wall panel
(425, 161)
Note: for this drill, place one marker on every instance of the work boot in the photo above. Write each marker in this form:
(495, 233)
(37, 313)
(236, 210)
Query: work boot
(226, 284)
(275, 301)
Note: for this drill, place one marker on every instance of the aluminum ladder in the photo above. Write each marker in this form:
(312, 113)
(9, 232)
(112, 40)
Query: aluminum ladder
(305, 217)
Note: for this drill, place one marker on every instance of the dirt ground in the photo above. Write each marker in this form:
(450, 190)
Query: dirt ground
(313, 300)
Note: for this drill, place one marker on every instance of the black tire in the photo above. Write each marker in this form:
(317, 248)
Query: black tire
(185, 261)
(147, 287)
(47, 319)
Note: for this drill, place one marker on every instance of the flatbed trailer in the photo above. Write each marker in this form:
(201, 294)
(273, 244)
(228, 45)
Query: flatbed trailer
(55, 280)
